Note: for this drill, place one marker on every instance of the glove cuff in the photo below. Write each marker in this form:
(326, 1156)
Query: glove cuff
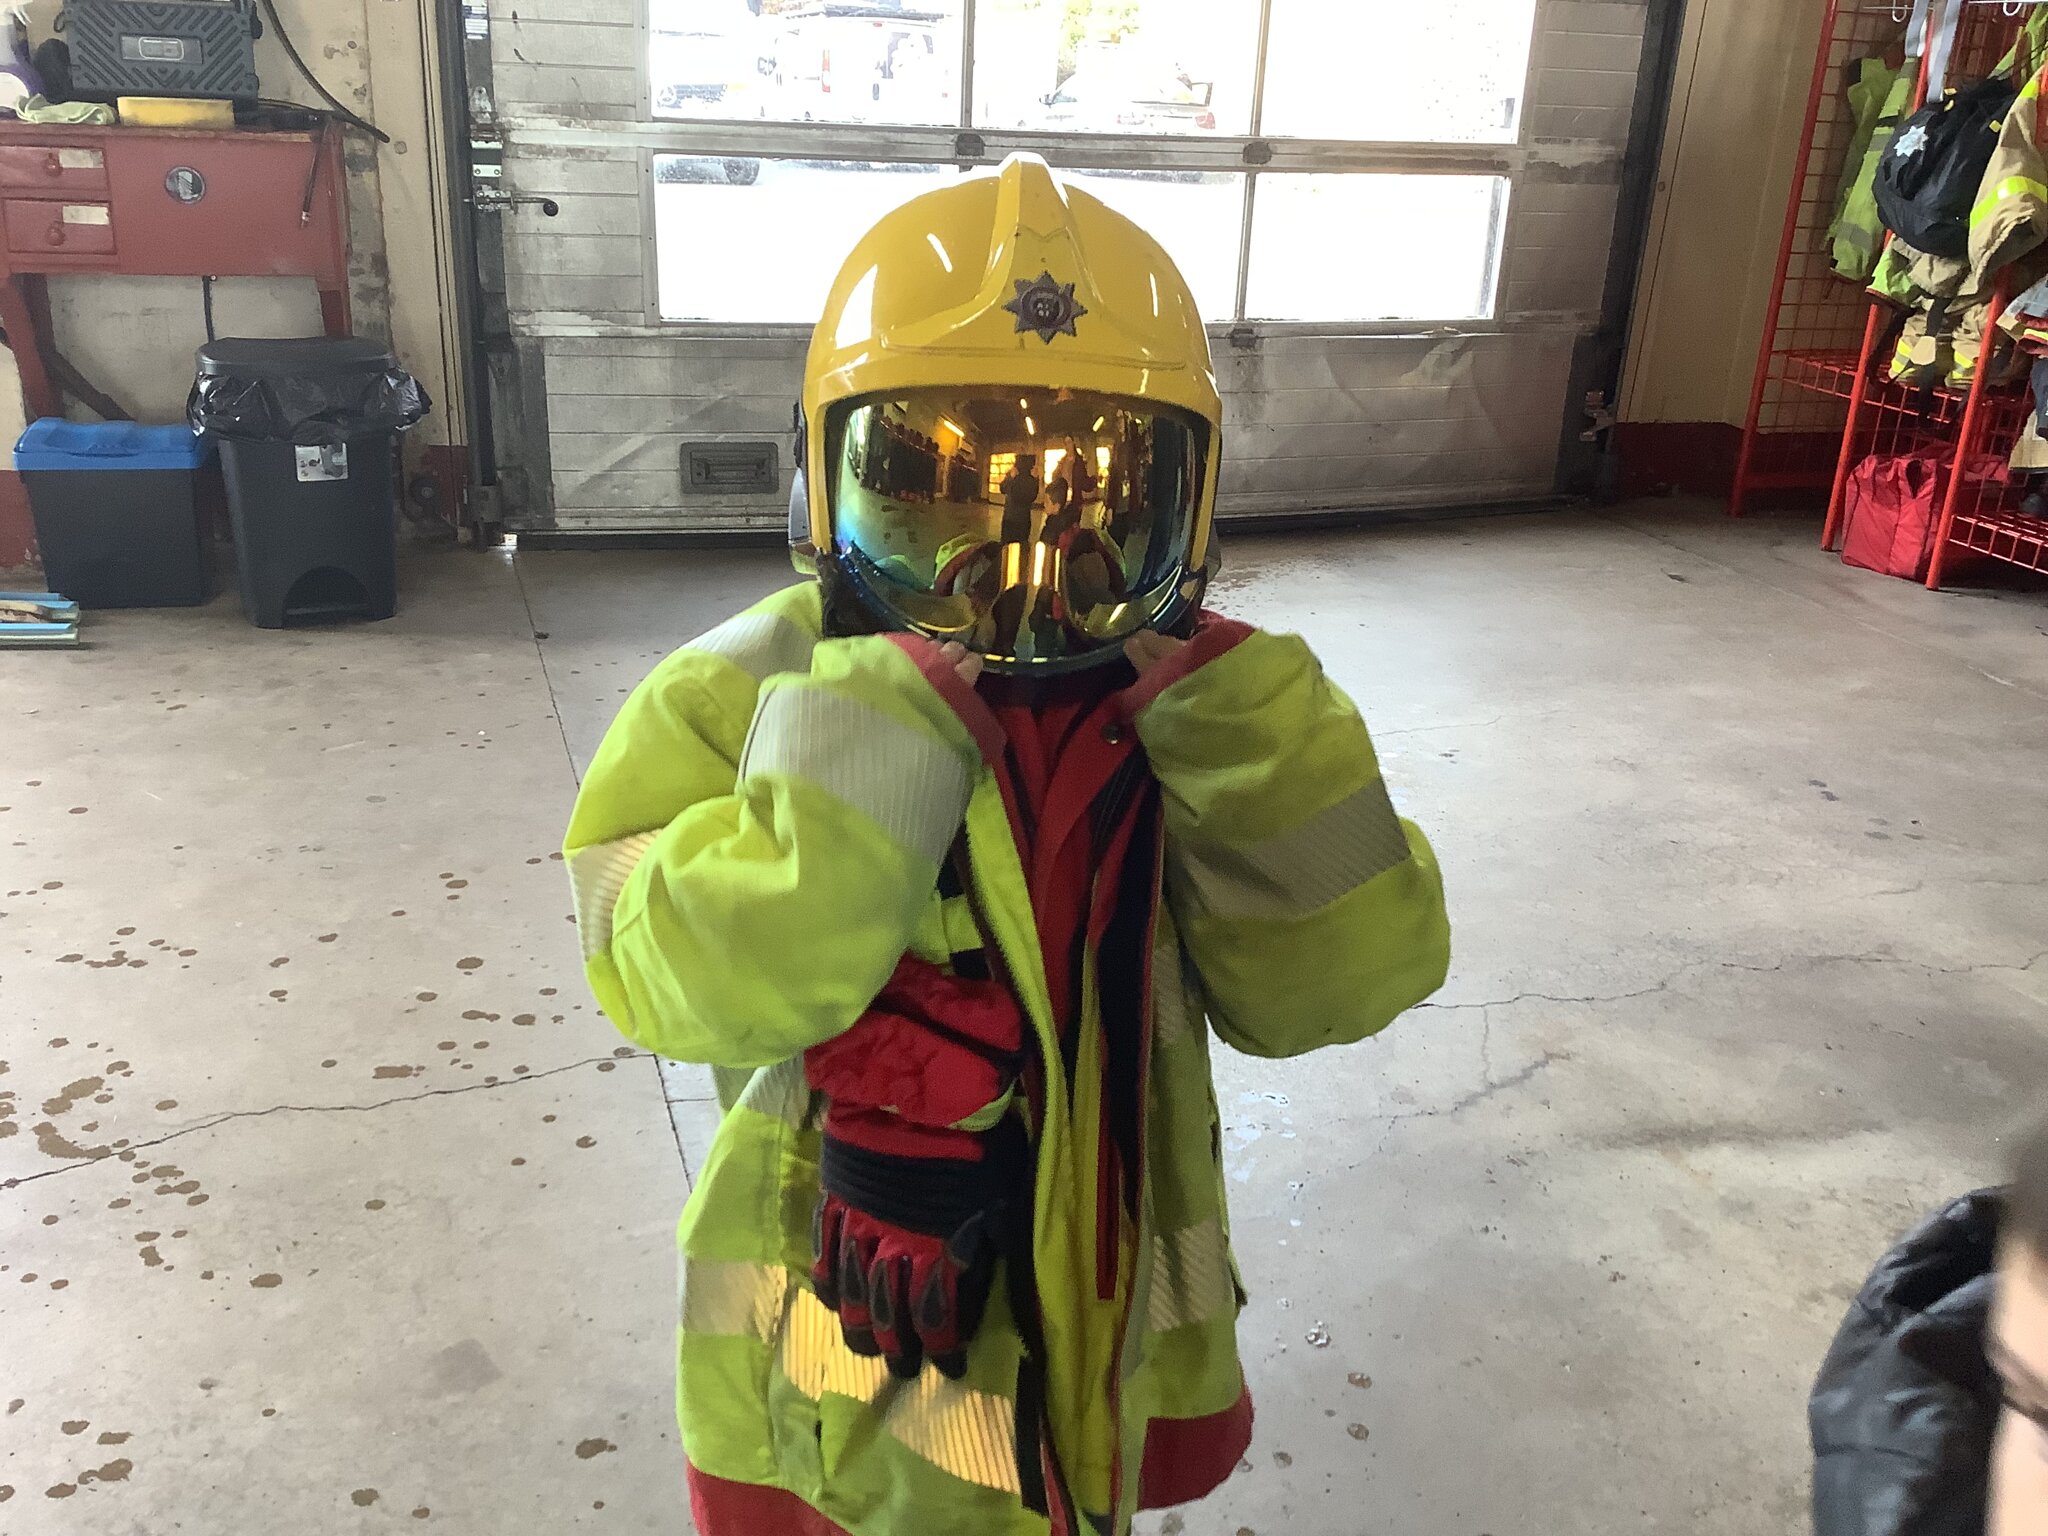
(935, 1197)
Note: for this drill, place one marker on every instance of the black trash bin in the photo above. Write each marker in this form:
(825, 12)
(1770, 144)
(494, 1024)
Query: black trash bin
(308, 431)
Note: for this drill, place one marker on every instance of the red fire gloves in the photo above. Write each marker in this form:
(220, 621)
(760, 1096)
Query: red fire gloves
(920, 1165)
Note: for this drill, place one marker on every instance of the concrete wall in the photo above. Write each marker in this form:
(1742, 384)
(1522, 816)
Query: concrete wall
(1744, 70)
(134, 337)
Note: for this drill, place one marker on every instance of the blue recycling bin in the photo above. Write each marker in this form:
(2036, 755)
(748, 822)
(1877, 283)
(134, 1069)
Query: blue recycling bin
(124, 512)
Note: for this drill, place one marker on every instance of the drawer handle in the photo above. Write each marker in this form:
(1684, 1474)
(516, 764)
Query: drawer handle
(52, 166)
(56, 235)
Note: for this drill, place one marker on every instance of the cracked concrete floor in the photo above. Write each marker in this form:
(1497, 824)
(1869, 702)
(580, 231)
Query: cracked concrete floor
(326, 1202)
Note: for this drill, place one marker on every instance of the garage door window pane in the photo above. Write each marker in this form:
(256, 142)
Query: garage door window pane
(1198, 218)
(747, 241)
(1448, 71)
(1372, 247)
(806, 61)
(1115, 66)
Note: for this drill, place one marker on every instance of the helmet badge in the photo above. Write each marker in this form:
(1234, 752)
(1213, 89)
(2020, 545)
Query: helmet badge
(1047, 307)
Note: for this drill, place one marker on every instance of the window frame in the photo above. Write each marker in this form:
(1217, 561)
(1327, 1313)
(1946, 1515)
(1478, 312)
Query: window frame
(1250, 155)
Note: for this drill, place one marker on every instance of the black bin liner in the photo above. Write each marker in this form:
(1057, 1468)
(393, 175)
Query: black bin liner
(317, 391)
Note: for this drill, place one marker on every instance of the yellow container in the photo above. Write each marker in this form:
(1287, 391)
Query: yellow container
(175, 112)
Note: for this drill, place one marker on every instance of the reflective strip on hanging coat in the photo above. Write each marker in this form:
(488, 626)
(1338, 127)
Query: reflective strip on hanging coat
(1880, 97)
(2010, 216)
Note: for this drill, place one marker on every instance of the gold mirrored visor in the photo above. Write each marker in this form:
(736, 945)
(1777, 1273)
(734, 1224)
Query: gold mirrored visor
(1042, 528)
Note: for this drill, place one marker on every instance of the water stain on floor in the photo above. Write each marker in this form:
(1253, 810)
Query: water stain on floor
(53, 1144)
(66, 1099)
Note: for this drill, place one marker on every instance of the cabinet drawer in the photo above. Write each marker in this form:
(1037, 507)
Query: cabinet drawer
(37, 227)
(52, 167)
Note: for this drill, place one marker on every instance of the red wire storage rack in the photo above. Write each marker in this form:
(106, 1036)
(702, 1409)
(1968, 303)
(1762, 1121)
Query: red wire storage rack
(1982, 511)
(1822, 399)
(1815, 321)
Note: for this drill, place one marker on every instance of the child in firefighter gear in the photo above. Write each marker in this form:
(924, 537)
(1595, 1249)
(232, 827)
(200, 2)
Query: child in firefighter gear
(948, 862)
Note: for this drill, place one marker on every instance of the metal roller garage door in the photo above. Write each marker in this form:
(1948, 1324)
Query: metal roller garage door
(1398, 218)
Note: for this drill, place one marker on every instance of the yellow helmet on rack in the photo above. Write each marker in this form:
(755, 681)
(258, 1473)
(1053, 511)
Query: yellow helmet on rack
(1012, 424)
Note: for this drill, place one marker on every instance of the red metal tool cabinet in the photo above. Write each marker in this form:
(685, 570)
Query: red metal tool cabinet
(163, 203)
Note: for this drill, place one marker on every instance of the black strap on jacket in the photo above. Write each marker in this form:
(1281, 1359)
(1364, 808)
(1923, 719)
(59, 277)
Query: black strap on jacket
(1020, 1267)
(1121, 969)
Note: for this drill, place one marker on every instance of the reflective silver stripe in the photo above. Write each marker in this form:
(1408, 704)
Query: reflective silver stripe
(729, 1083)
(912, 785)
(759, 644)
(596, 875)
(1191, 1278)
(781, 1092)
(815, 1357)
(1302, 870)
(970, 1434)
(733, 1298)
(1174, 1019)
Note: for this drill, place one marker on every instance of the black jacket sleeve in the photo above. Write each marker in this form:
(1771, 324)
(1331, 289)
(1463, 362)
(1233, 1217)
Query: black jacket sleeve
(1903, 1412)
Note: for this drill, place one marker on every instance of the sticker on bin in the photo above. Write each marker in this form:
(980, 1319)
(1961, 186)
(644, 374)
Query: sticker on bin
(81, 160)
(88, 213)
(324, 463)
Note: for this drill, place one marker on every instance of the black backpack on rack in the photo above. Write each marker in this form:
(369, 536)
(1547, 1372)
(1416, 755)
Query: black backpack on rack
(1927, 180)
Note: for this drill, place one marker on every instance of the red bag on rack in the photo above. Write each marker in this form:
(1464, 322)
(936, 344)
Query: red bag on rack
(1893, 508)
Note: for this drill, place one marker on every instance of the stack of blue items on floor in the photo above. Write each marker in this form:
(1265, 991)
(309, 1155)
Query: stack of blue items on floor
(37, 621)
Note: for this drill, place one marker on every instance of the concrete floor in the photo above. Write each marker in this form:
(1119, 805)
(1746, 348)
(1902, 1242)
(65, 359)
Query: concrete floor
(331, 1204)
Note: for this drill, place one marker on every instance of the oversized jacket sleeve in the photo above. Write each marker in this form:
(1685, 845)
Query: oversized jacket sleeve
(1312, 912)
(750, 863)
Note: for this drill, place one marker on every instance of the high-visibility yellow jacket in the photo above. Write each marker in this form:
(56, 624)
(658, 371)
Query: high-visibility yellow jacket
(759, 841)
(1879, 98)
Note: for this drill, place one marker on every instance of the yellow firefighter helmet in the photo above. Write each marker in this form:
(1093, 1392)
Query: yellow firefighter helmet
(1012, 424)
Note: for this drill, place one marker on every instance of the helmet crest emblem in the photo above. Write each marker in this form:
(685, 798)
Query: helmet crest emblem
(1047, 307)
